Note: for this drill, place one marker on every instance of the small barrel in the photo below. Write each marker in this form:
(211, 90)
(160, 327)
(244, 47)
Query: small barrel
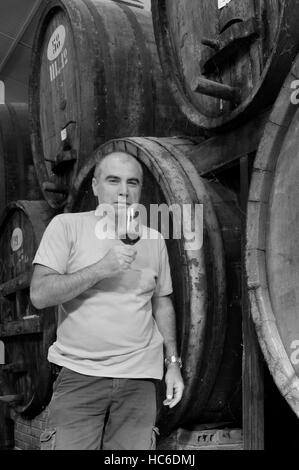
(17, 172)
(26, 332)
(95, 76)
(273, 243)
(225, 60)
(205, 278)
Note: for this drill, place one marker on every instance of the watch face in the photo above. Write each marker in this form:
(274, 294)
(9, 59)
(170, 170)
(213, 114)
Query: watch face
(173, 360)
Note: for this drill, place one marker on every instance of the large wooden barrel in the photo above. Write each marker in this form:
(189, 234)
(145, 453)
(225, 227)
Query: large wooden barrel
(272, 241)
(225, 59)
(26, 332)
(206, 280)
(17, 173)
(95, 75)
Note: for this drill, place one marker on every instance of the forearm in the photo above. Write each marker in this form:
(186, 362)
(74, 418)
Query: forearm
(164, 315)
(55, 289)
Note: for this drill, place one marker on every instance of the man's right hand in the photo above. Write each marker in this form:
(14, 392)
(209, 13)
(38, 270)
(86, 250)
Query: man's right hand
(118, 259)
(49, 288)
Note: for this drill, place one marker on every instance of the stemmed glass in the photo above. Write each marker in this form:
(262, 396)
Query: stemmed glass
(132, 236)
(133, 231)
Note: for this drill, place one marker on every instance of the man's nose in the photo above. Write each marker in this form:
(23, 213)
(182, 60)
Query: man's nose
(123, 189)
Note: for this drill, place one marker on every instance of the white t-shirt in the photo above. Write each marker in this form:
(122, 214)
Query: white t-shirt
(108, 330)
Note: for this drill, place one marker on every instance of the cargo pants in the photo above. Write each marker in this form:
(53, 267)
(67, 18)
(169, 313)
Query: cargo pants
(93, 413)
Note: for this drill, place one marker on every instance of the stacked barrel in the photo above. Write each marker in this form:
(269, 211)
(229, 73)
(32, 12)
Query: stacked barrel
(103, 80)
(225, 63)
(18, 323)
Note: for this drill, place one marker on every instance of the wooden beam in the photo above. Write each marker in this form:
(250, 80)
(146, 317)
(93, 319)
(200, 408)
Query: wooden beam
(13, 285)
(253, 364)
(221, 150)
(21, 327)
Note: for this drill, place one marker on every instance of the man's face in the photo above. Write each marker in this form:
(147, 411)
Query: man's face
(118, 181)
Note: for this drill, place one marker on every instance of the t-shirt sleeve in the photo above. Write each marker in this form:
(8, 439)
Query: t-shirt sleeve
(54, 247)
(164, 283)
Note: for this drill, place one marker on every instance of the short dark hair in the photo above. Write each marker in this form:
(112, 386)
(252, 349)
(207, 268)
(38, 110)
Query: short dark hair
(99, 158)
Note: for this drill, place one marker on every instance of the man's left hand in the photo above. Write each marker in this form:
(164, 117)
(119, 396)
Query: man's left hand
(174, 385)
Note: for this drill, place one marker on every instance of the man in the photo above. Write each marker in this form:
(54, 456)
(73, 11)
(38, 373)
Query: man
(115, 314)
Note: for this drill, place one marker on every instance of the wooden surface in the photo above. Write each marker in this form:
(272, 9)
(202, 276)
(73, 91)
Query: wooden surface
(25, 332)
(225, 400)
(6, 428)
(203, 300)
(272, 243)
(252, 377)
(17, 174)
(248, 46)
(109, 48)
(222, 151)
(203, 439)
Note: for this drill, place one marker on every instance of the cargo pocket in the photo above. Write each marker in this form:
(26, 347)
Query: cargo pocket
(155, 433)
(48, 439)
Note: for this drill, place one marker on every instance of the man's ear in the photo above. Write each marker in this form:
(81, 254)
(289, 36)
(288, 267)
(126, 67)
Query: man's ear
(93, 185)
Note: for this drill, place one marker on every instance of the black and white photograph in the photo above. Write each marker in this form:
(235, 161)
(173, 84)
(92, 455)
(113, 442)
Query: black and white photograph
(149, 228)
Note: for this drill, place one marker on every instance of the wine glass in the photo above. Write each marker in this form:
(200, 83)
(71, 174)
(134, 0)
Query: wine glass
(131, 236)
(133, 231)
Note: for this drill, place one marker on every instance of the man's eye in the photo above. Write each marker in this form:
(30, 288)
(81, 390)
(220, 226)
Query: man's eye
(112, 180)
(133, 183)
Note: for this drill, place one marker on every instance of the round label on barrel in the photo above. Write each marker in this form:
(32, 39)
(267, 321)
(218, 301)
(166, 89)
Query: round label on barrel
(16, 239)
(56, 43)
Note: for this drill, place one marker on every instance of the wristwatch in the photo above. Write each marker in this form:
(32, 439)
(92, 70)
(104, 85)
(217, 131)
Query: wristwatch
(173, 360)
